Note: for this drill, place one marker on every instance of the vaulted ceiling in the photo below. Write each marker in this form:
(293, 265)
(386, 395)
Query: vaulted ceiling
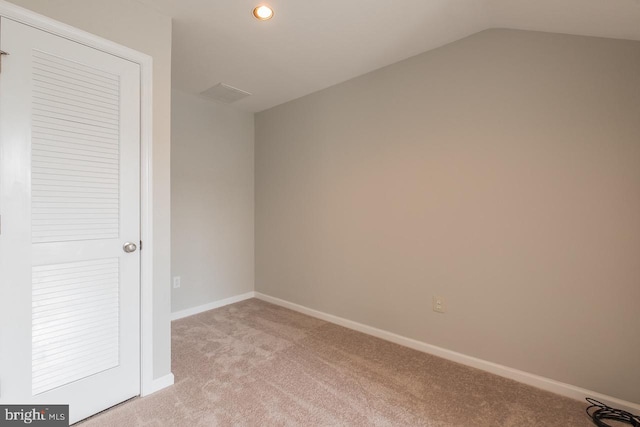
(310, 45)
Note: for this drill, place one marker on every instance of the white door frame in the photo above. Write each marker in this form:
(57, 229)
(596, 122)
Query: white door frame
(25, 16)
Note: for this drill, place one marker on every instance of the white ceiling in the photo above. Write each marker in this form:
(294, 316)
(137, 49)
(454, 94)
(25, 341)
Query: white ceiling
(310, 45)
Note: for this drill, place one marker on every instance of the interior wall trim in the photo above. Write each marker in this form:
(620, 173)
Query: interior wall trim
(210, 306)
(538, 381)
(160, 383)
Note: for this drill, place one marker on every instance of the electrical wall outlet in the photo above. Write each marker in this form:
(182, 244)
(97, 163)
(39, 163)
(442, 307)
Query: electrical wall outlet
(176, 282)
(438, 304)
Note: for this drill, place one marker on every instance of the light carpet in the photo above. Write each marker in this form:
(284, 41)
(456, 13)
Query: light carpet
(257, 364)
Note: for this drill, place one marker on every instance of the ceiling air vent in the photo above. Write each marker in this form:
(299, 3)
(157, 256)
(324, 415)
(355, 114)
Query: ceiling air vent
(224, 93)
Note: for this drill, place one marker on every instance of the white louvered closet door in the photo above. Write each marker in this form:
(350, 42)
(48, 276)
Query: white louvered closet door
(69, 200)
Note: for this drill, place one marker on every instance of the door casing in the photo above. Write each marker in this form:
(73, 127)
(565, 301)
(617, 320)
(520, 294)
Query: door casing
(147, 383)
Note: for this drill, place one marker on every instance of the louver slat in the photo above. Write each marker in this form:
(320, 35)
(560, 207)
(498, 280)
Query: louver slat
(75, 156)
(75, 321)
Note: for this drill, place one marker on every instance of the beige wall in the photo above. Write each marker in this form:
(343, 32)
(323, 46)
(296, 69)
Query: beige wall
(134, 25)
(212, 201)
(501, 172)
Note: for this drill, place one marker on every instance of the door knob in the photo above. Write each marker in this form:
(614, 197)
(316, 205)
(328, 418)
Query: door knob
(129, 247)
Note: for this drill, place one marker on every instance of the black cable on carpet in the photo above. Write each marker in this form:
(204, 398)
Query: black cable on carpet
(598, 412)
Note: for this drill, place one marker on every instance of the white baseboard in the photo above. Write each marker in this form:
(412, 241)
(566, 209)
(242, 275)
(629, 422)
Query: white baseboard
(548, 384)
(158, 384)
(210, 306)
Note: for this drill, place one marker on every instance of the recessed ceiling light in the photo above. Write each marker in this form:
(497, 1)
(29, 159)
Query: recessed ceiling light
(263, 12)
